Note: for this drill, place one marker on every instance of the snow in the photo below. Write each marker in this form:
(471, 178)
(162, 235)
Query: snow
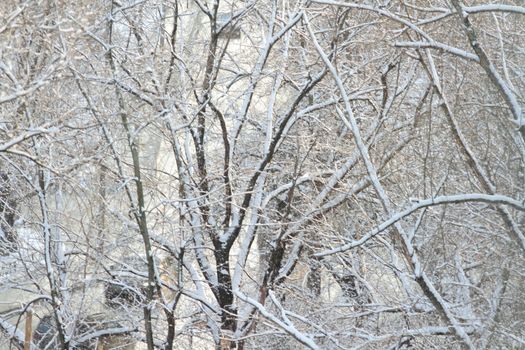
(286, 326)
(437, 45)
(423, 203)
(494, 8)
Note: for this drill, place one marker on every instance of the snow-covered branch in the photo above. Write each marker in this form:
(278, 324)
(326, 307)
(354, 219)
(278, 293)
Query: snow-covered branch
(287, 327)
(436, 45)
(419, 204)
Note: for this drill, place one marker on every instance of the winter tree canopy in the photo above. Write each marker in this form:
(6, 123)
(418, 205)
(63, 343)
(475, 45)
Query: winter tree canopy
(262, 174)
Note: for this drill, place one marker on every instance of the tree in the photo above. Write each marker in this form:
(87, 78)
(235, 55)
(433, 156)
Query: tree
(262, 174)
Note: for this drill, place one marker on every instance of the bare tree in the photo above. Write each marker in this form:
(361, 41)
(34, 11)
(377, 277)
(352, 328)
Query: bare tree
(262, 174)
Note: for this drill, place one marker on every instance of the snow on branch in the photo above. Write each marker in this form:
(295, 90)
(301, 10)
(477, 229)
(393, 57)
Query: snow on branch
(440, 46)
(494, 8)
(348, 118)
(454, 199)
(22, 92)
(30, 133)
(16, 336)
(287, 327)
(488, 66)
(105, 332)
